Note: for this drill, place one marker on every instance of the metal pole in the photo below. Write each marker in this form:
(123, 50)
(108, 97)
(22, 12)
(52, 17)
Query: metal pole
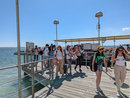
(79, 42)
(51, 72)
(65, 45)
(33, 80)
(114, 43)
(18, 47)
(71, 44)
(24, 58)
(99, 30)
(56, 35)
(93, 41)
(102, 42)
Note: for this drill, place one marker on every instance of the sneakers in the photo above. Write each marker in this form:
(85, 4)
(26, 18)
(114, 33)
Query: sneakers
(80, 70)
(98, 89)
(118, 93)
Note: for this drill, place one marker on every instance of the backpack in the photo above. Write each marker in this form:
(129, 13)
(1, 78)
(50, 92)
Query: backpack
(95, 66)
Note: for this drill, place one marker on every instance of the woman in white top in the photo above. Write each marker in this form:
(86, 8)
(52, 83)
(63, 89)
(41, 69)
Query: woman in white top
(59, 54)
(120, 66)
(45, 56)
(68, 53)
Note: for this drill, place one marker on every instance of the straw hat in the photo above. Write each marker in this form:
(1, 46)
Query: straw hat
(100, 47)
(68, 45)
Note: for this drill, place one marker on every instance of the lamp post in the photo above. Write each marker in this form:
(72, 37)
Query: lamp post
(56, 22)
(18, 47)
(99, 14)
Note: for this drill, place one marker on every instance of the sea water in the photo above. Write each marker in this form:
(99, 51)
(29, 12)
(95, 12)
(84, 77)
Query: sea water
(10, 90)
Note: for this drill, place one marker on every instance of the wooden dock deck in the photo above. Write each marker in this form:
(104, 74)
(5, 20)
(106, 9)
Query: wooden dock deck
(82, 85)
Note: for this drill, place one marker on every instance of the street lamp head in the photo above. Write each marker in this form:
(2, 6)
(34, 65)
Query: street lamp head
(56, 22)
(99, 14)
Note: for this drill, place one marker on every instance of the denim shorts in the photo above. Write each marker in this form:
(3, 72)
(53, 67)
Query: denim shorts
(100, 68)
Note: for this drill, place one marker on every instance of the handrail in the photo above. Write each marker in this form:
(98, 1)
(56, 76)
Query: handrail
(12, 80)
(13, 67)
(24, 64)
(15, 93)
(31, 74)
(8, 67)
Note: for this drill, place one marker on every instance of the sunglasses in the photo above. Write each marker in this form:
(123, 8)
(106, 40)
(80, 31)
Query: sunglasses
(120, 50)
(100, 49)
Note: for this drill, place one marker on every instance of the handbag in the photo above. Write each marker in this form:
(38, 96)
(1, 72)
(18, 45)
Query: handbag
(95, 67)
(74, 57)
(55, 61)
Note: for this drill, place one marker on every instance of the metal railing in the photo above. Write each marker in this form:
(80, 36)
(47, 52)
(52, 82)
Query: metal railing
(32, 66)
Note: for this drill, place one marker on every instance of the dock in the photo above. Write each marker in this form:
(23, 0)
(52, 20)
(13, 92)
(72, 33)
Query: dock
(82, 85)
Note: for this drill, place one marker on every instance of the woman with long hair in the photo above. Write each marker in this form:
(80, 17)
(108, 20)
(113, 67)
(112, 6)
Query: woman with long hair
(119, 61)
(59, 54)
(98, 60)
(79, 59)
(68, 53)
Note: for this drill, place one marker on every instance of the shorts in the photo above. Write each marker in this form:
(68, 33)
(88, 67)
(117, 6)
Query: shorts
(100, 68)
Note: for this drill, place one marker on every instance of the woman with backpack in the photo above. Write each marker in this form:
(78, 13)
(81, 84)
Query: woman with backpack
(59, 54)
(97, 66)
(120, 66)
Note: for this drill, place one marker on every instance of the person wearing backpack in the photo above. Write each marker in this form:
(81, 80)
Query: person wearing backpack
(98, 60)
(118, 59)
(59, 54)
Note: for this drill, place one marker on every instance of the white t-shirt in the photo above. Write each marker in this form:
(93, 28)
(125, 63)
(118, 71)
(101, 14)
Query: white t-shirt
(58, 54)
(46, 51)
(120, 61)
(79, 53)
(68, 54)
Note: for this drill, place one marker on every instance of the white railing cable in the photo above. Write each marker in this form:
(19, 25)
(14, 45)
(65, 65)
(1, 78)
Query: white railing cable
(4, 68)
(10, 67)
(15, 93)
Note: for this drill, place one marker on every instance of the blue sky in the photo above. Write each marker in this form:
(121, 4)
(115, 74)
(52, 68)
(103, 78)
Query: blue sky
(77, 20)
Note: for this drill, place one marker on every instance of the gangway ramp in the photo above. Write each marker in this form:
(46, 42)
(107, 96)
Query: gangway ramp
(39, 75)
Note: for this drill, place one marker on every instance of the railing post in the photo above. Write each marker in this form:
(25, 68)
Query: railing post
(86, 59)
(42, 62)
(27, 58)
(36, 65)
(31, 58)
(51, 71)
(32, 79)
(24, 58)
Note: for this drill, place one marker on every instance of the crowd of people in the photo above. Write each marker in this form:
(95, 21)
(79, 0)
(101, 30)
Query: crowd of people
(68, 56)
(74, 55)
